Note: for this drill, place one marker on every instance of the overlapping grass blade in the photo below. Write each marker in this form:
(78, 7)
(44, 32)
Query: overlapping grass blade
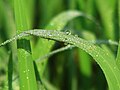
(106, 62)
(57, 23)
(84, 59)
(26, 68)
(102, 57)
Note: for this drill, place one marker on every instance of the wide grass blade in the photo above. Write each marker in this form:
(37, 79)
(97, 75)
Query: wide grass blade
(26, 68)
(101, 56)
(45, 45)
(106, 62)
(58, 23)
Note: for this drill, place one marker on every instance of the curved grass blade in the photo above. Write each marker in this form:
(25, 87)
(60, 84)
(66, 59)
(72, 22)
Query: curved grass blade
(105, 61)
(58, 23)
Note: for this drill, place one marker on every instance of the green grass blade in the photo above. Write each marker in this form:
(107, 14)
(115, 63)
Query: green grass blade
(84, 59)
(90, 7)
(105, 47)
(105, 61)
(48, 11)
(48, 85)
(72, 4)
(57, 23)
(26, 68)
(54, 52)
(81, 4)
(106, 9)
(85, 63)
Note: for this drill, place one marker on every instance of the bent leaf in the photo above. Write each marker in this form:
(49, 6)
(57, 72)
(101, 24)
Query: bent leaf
(102, 57)
(58, 23)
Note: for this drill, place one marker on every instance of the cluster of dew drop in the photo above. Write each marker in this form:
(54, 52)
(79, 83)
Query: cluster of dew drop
(47, 34)
(26, 71)
(8, 41)
(14, 38)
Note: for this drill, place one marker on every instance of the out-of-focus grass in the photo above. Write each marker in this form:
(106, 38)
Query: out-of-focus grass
(66, 70)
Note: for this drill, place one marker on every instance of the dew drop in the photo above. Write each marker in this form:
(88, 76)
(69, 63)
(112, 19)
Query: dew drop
(49, 34)
(51, 24)
(76, 35)
(23, 86)
(27, 77)
(65, 43)
(90, 48)
(28, 70)
(114, 67)
(17, 36)
(68, 33)
(107, 53)
(97, 55)
(31, 32)
(24, 71)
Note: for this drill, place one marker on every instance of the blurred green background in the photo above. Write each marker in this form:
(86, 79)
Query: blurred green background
(72, 69)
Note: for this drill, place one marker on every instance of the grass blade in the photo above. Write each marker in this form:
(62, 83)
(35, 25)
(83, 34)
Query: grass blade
(54, 52)
(85, 62)
(26, 68)
(105, 61)
(58, 23)
(107, 6)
